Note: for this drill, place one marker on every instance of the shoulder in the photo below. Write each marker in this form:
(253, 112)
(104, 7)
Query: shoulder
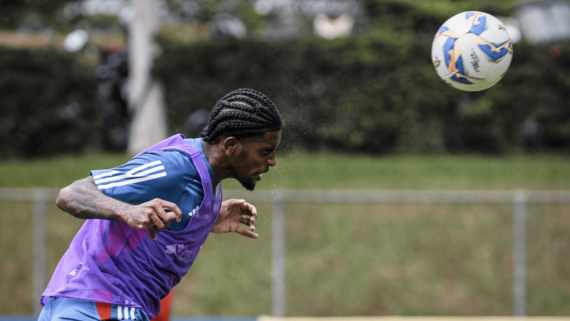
(172, 161)
(159, 169)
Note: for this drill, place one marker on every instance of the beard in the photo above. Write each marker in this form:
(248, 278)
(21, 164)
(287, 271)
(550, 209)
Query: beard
(247, 183)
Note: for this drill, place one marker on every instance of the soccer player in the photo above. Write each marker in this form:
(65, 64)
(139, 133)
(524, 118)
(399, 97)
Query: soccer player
(146, 220)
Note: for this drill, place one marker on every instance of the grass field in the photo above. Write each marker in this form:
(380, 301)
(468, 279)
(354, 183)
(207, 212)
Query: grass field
(347, 259)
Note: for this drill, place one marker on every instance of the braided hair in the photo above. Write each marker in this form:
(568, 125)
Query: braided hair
(243, 114)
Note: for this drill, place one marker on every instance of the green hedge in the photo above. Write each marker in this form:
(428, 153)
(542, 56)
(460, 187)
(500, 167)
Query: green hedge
(48, 103)
(375, 94)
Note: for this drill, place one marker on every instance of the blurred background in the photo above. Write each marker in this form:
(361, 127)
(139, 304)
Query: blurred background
(85, 84)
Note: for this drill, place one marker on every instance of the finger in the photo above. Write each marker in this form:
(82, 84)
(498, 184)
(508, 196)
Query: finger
(151, 233)
(236, 203)
(252, 212)
(253, 216)
(158, 224)
(248, 209)
(248, 222)
(246, 233)
(165, 217)
(172, 207)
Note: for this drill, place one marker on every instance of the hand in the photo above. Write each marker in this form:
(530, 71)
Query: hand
(153, 216)
(233, 213)
(84, 200)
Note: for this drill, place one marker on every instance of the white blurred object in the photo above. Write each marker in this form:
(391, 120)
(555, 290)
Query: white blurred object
(513, 28)
(224, 25)
(263, 7)
(146, 100)
(233, 27)
(102, 7)
(514, 33)
(544, 21)
(75, 40)
(333, 28)
(309, 7)
(126, 15)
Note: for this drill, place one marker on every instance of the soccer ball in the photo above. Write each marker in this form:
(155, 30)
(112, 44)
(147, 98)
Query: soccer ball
(472, 51)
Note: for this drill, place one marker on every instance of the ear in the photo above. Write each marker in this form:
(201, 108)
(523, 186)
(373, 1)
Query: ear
(231, 146)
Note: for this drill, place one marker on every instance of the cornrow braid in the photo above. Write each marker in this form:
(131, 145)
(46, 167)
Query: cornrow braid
(243, 113)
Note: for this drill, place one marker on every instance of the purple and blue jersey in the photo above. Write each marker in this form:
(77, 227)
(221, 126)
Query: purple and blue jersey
(110, 262)
(169, 175)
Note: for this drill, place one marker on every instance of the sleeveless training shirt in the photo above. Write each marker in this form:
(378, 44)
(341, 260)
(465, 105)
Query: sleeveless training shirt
(111, 262)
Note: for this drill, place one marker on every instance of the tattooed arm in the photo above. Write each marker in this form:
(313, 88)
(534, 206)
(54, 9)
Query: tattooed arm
(84, 200)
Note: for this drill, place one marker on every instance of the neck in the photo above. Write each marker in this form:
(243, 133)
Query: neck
(217, 160)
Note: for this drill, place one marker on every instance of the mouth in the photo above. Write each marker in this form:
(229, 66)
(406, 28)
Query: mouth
(257, 176)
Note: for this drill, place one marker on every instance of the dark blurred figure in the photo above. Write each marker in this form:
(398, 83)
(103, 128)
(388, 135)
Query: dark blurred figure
(112, 100)
(532, 133)
(197, 121)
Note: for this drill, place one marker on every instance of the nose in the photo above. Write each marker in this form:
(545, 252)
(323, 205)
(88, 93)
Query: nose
(272, 161)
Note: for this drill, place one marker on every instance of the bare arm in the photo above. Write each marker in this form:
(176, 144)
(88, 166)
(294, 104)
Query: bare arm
(84, 200)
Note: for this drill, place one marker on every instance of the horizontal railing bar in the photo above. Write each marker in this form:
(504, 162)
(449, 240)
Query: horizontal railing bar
(26, 194)
(401, 196)
(350, 196)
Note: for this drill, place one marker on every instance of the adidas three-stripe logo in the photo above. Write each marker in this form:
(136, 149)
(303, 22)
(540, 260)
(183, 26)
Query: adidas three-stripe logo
(141, 173)
(125, 313)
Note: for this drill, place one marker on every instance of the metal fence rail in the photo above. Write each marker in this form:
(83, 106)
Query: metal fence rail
(518, 199)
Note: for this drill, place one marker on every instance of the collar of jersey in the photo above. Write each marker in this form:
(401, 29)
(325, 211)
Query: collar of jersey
(197, 143)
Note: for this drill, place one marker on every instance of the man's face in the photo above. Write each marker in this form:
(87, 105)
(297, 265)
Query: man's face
(255, 158)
